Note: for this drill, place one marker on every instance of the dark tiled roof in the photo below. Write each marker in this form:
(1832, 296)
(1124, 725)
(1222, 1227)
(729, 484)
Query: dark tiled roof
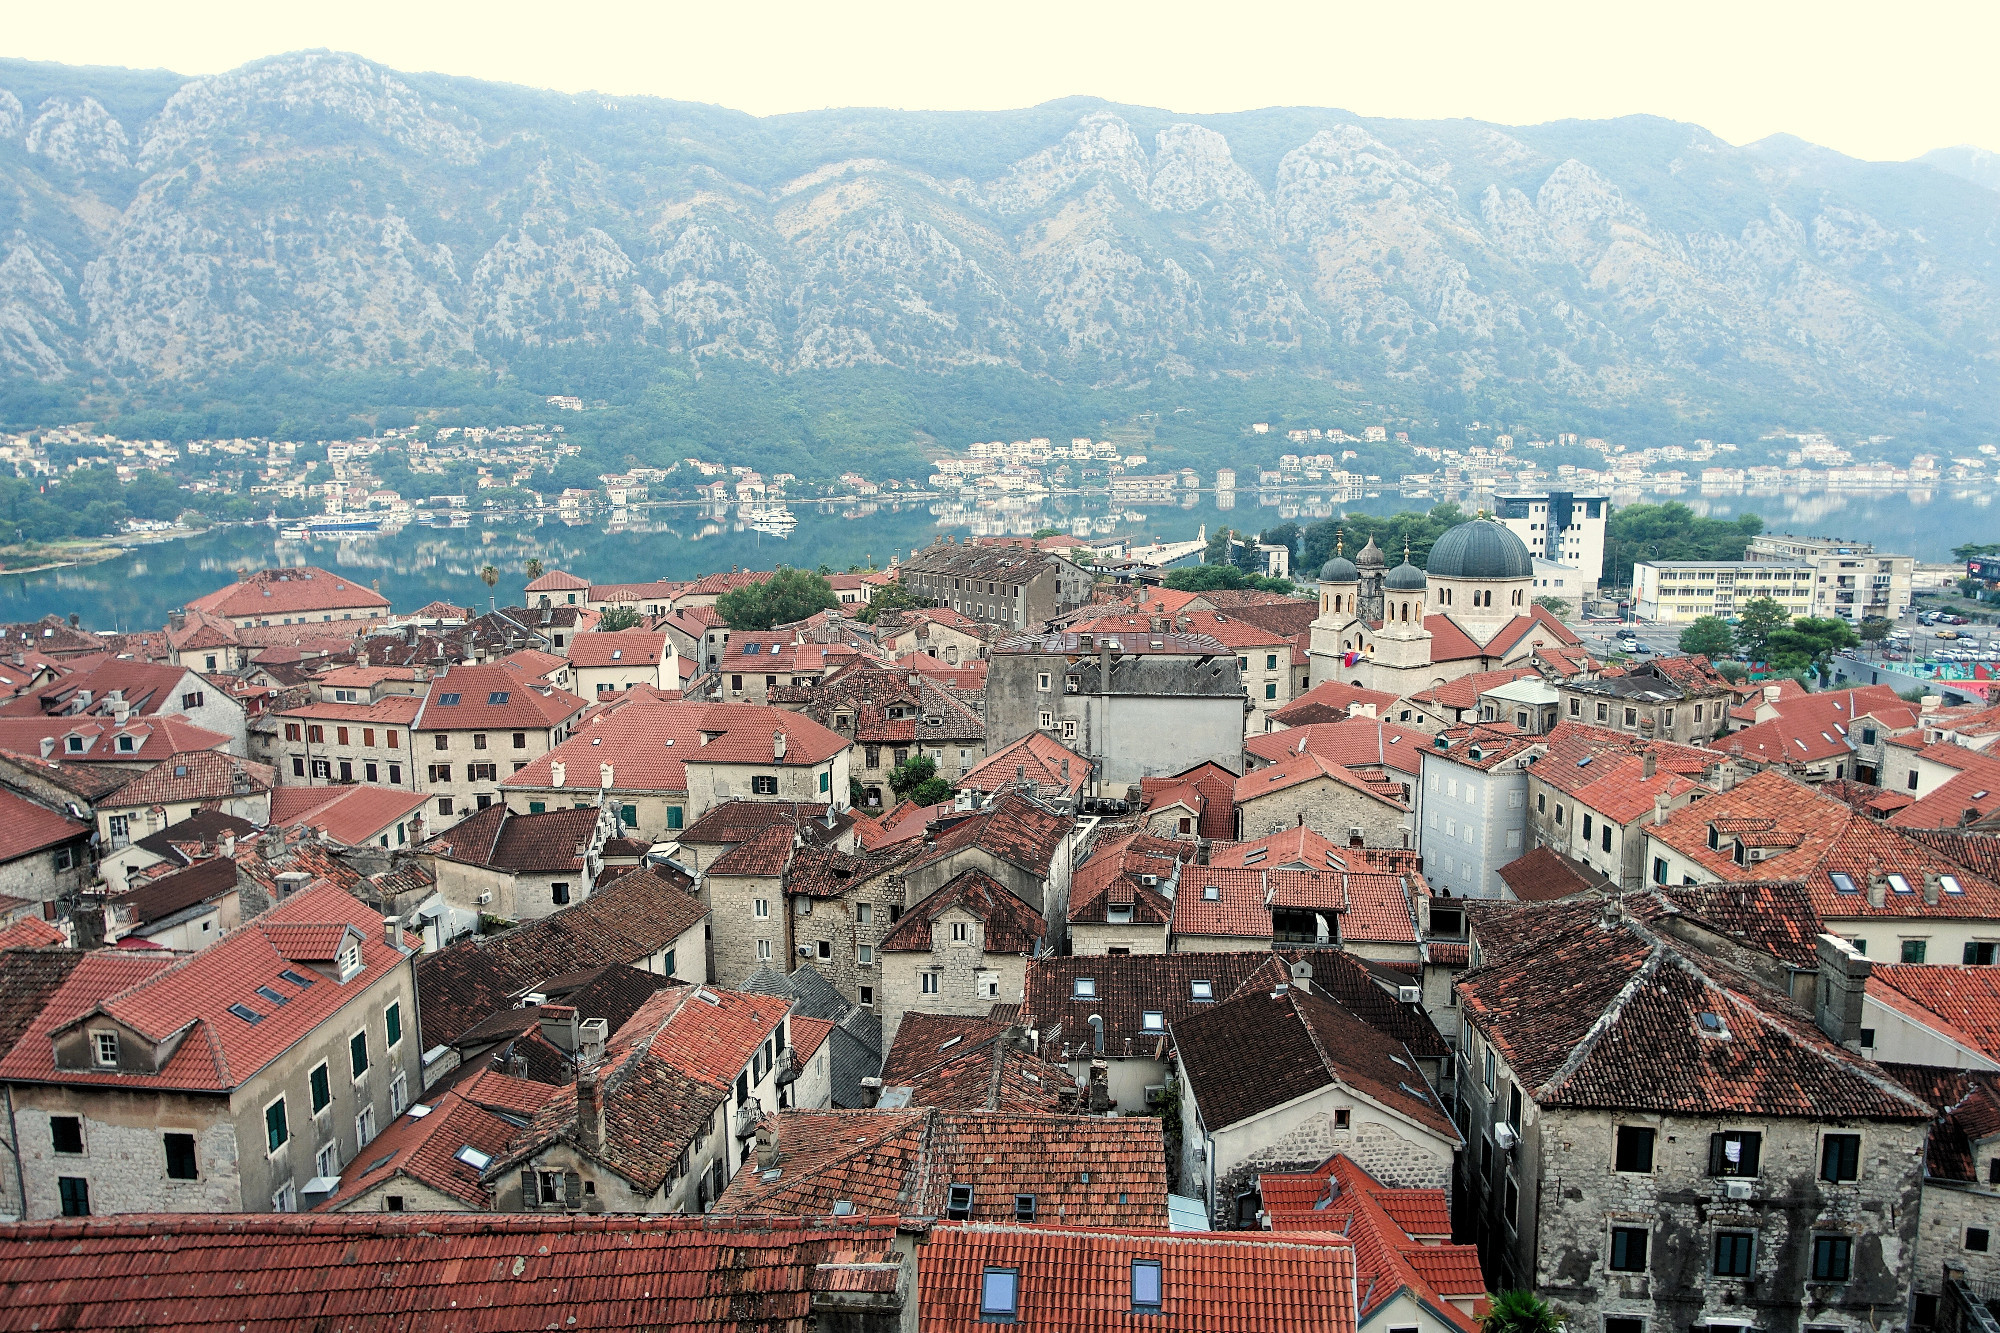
(1591, 1007)
(1544, 875)
(28, 977)
(734, 821)
(1013, 828)
(1967, 1103)
(1011, 926)
(160, 898)
(1262, 1048)
(503, 840)
(202, 826)
(970, 1064)
(1127, 987)
(1777, 916)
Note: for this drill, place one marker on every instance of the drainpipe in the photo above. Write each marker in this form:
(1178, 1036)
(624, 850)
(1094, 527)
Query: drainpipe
(14, 1152)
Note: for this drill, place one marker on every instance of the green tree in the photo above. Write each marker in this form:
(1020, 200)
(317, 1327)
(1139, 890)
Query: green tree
(1555, 606)
(890, 597)
(533, 568)
(1972, 550)
(1040, 533)
(1409, 530)
(1874, 631)
(912, 773)
(1809, 644)
(1756, 621)
(1284, 534)
(1208, 578)
(619, 617)
(1707, 636)
(787, 596)
(489, 576)
(934, 792)
(1670, 531)
(1519, 1312)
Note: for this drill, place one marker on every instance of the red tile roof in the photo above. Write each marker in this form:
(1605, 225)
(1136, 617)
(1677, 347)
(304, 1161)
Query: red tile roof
(1544, 875)
(1383, 1225)
(154, 738)
(971, 1064)
(1080, 1282)
(679, 1274)
(26, 827)
(31, 933)
(713, 1042)
(1013, 828)
(1592, 1007)
(1351, 742)
(644, 739)
(194, 775)
(746, 734)
(503, 840)
(1111, 875)
(1966, 798)
(1083, 1170)
(290, 592)
(632, 647)
(500, 1092)
(557, 580)
(1299, 769)
(425, 1149)
(1464, 692)
(1967, 998)
(350, 815)
(499, 698)
(1217, 786)
(1053, 768)
(809, 1034)
(184, 1001)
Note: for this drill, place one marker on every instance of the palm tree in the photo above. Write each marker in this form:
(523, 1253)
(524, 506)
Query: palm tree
(1520, 1312)
(533, 569)
(489, 576)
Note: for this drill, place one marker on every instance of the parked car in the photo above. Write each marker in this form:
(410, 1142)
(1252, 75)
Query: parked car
(1947, 634)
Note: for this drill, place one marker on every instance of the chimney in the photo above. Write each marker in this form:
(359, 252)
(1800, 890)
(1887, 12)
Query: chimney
(1878, 890)
(777, 745)
(48, 746)
(1772, 693)
(1930, 888)
(1843, 983)
(392, 932)
(86, 927)
(1097, 1033)
(1302, 975)
(228, 844)
(559, 1026)
(1660, 808)
(556, 767)
(861, 1292)
(1103, 667)
(604, 775)
(1648, 765)
(770, 1151)
(589, 1112)
(517, 1066)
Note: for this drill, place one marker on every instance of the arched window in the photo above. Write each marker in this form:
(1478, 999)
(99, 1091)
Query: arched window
(1336, 601)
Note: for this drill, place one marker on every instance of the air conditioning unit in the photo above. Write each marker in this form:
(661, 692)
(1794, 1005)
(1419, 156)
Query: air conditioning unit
(1738, 1189)
(485, 900)
(1150, 881)
(1410, 994)
(1155, 1093)
(805, 951)
(1504, 1137)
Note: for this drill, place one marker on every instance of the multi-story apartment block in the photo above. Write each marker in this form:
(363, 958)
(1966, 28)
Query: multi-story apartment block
(298, 596)
(998, 585)
(477, 726)
(1561, 527)
(319, 744)
(1677, 591)
(1851, 580)
(1137, 705)
(1658, 1140)
(243, 1078)
(1475, 808)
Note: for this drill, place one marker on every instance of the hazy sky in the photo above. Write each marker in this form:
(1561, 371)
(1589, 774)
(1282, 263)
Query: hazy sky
(1874, 80)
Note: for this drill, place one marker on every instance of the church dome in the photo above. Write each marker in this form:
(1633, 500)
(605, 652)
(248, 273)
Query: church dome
(1371, 556)
(1481, 549)
(1339, 570)
(1405, 577)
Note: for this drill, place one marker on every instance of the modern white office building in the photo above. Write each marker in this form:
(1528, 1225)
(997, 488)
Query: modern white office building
(1677, 591)
(1561, 527)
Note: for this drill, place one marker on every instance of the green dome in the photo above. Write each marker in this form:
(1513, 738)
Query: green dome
(1481, 549)
(1405, 577)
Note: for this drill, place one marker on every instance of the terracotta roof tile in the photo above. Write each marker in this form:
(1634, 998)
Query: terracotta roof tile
(1010, 925)
(687, 1275)
(1968, 998)
(1053, 768)
(425, 1149)
(350, 815)
(26, 827)
(1544, 874)
(1081, 1282)
(1604, 1011)
(1217, 786)
(1352, 742)
(292, 591)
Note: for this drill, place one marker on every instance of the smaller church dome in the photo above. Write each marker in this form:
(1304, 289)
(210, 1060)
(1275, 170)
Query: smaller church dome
(1339, 570)
(1405, 577)
(1371, 556)
(1481, 549)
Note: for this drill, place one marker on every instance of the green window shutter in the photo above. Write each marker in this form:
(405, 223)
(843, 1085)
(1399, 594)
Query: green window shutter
(674, 816)
(629, 815)
(538, 807)
(322, 1093)
(395, 1021)
(276, 1131)
(357, 1053)
(825, 781)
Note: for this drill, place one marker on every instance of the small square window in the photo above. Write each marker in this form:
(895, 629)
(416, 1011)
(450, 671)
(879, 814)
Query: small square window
(1155, 1021)
(1146, 1285)
(1628, 1249)
(1733, 1253)
(1978, 1239)
(180, 1157)
(1840, 1157)
(1201, 990)
(1832, 1258)
(1024, 1207)
(1000, 1293)
(66, 1133)
(958, 1203)
(1635, 1149)
(1083, 988)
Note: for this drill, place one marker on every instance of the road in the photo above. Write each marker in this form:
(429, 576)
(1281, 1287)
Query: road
(1924, 643)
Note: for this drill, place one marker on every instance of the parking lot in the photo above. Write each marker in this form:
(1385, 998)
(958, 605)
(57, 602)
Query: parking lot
(1969, 644)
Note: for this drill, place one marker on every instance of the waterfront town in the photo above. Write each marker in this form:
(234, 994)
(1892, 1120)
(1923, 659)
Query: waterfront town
(1009, 935)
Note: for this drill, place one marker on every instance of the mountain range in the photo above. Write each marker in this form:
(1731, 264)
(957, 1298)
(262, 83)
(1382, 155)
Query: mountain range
(322, 215)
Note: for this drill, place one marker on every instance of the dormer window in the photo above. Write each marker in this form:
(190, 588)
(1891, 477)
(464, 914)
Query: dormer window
(1083, 988)
(126, 744)
(1118, 916)
(348, 962)
(104, 1045)
(73, 744)
(958, 1203)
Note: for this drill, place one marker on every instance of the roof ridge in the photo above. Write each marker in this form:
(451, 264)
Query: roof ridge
(1612, 1012)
